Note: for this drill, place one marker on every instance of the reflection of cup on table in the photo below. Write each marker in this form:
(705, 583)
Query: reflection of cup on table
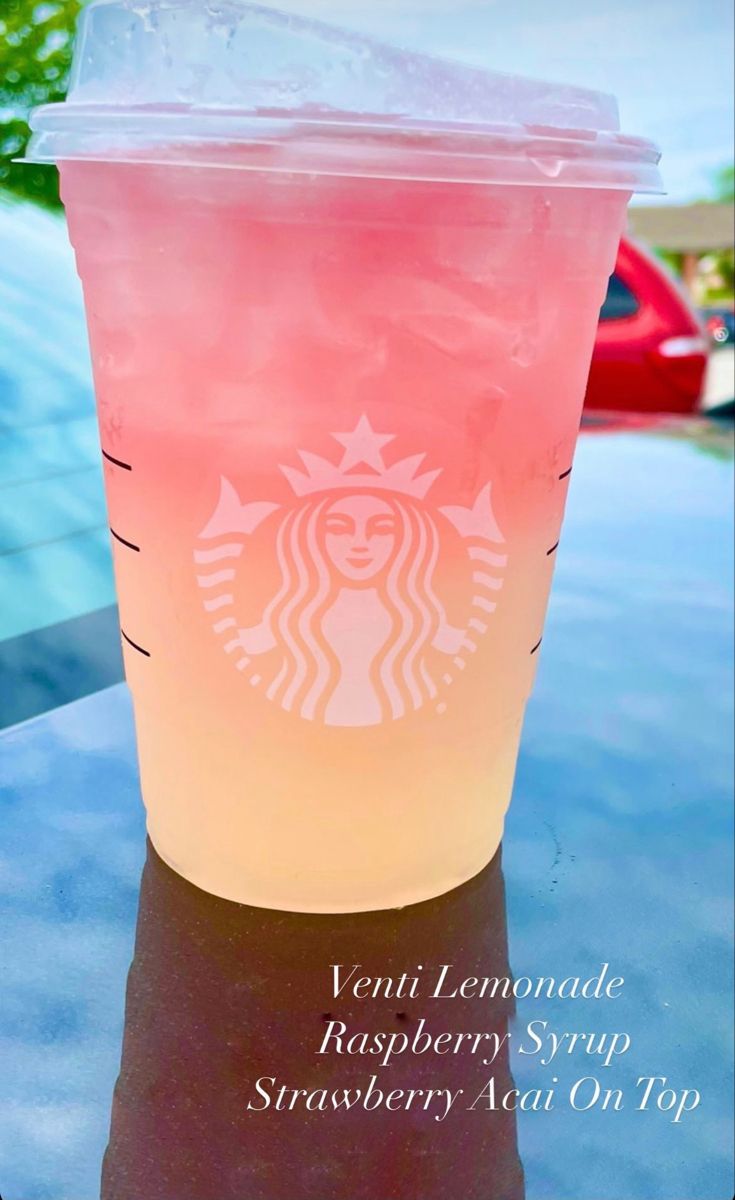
(340, 361)
(181, 1128)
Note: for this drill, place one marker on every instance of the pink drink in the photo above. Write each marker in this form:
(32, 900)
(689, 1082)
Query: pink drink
(339, 636)
(338, 409)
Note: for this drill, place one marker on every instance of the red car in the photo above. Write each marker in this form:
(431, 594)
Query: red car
(651, 351)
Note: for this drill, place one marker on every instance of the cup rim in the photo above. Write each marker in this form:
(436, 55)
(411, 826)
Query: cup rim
(326, 143)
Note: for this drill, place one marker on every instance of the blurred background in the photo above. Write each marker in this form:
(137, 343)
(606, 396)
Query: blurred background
(667, 332)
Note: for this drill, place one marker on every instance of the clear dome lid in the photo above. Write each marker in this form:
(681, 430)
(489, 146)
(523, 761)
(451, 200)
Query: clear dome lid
(234, 84)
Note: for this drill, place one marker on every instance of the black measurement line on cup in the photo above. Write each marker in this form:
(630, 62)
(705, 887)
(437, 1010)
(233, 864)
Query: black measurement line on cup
(117, 462)
(566, 474)
(135, 646)
(124, 541)
(553, 549)
(537, 646)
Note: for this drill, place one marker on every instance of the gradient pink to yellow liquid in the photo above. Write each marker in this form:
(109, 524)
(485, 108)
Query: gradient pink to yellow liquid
(338, 418)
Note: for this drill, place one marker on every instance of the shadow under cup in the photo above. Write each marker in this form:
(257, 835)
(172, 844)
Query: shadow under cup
(338, 418)
(221, 996)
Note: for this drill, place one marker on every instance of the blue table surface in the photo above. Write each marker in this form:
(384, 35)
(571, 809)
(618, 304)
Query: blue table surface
(618, 849)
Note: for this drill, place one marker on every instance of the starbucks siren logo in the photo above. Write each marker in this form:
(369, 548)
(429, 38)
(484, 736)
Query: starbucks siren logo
(356, 633)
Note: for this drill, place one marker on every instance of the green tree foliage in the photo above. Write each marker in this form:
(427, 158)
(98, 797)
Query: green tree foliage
(35, 56)
(724, 182)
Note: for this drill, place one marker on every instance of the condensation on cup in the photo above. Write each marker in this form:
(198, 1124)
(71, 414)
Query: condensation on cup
(342, 301)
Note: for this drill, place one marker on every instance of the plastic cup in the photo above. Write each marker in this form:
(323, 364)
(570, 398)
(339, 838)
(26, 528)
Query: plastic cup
(341, 325)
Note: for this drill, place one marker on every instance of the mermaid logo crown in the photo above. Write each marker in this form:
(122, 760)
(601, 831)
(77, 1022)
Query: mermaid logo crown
(363, 448)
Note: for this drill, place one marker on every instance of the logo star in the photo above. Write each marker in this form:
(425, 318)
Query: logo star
(363, 445)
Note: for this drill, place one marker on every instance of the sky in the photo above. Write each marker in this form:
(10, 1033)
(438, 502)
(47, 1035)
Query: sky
(669, 62)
